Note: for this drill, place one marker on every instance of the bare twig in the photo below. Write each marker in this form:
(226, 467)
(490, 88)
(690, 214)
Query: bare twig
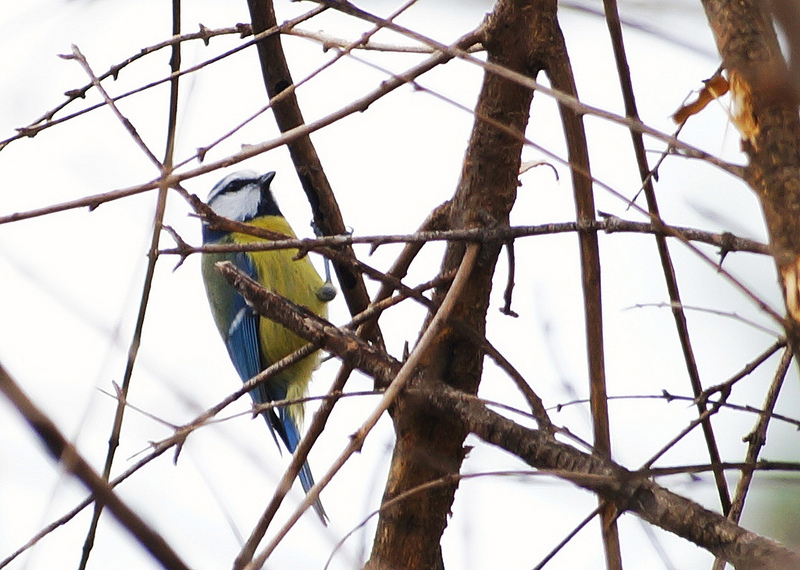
(758, 436)
(626, 83)
(628, 490)
(722, 389)
(161, 203)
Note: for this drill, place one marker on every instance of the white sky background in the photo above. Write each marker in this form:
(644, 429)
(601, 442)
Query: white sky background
(71, 282)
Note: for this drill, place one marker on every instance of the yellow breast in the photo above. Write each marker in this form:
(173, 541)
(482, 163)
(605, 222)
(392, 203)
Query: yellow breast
(298, 281)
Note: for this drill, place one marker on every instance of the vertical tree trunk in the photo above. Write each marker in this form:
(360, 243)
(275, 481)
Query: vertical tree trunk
(766, 106)
(516, 36)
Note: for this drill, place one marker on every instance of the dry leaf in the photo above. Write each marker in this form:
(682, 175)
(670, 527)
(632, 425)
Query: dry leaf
(715, 87)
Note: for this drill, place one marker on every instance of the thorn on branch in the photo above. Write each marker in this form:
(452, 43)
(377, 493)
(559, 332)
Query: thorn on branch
(27, 131)
(727, 245)
(184, 249)
(94, 204)
(244, 30)
(204, 35)
(754, 439)
(76, 93)
(301, 253)
(612, 222)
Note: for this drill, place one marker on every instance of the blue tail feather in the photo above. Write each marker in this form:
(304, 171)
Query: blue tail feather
(292, 439)
(283, 424)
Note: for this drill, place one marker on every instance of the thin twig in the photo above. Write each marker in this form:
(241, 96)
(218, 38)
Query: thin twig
(35, 128)
(46, 120)
(758, 436)
(726, 241)
(523, 80)
(161, 203)
(668, 269)
(79, 57)
(722, 389)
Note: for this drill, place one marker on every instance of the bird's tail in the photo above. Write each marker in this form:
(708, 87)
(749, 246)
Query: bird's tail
(291, 437)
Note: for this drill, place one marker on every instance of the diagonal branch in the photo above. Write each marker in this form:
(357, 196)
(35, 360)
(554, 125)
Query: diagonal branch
(626, 489)
(623, 71)
(64, 452)
(327, 215)
(354, 352)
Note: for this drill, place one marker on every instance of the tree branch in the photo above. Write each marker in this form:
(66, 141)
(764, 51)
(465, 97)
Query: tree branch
(628, 490)
(69, 458)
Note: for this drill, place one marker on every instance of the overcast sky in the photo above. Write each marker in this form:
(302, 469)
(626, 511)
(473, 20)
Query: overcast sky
(71, 282)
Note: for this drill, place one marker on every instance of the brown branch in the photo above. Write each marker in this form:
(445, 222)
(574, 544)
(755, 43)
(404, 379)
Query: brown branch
(244, 30)
(724, 389)
(69, 458)
(330, 42)
(757, 438)
(176, 440)
(767, 118)
(312, 328)
(626, 83)
(726, 241)
(116, 429)
(430, 447)
(275, 307)
(454, 51)
(46, 120)
(628, 490)
(80, 58)
(559, 71)
(327, 215)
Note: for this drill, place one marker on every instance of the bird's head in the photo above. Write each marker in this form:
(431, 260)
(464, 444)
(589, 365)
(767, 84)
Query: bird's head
(244, 195)
(241, 196)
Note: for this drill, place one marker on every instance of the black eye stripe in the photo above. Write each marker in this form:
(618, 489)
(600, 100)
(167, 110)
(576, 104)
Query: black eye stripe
(236, 185)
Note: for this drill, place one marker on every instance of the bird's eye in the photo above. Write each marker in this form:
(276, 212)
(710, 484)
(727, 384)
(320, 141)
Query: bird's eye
(235, 186)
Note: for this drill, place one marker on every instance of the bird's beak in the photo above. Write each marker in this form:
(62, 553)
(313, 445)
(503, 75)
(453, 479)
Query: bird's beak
(265, 179)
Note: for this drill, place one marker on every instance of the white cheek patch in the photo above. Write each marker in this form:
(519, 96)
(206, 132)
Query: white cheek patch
(239, 206)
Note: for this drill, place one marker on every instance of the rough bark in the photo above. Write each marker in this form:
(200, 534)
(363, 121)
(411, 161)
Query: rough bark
(626, 490)
(429, 446)
(766, 115)
(629, 491)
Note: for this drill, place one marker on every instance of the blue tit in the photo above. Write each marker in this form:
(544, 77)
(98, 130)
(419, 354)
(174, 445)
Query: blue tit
(254, 342)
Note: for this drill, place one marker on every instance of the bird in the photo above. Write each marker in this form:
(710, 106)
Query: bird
(255, 342)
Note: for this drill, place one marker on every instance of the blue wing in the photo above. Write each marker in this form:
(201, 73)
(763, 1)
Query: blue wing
(245, 352)
(244, 349)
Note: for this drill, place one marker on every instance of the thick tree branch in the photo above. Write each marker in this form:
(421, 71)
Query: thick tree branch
(628, 490)
(428, 446)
